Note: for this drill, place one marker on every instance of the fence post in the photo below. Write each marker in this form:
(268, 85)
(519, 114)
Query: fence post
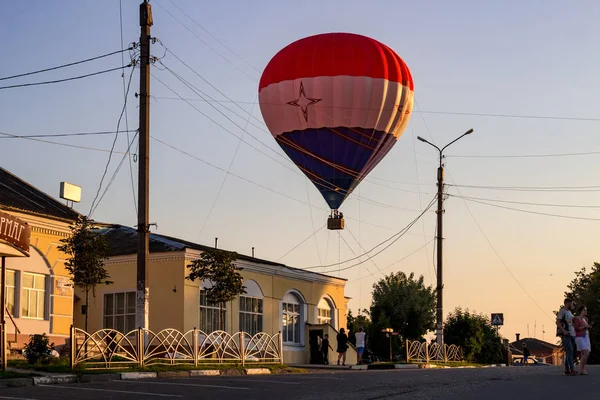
(281, 347)
(407, 352)
(195, 344)
(73, 349)
(242, 349)
(427, 352)
(445, 353)
(140, 347)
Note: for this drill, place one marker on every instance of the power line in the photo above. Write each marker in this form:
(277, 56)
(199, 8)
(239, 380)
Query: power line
(214, 37)
(205, 43)
(363, 249)
(92, 208)
(301, 243)
(67, 65)
(353, 252)
(72, 134)
(396, 236)
(588, 153)
(397, 261)
(65, 79)
(531, 212)
(533, 188)
(135, 205)
(59, 143)
(526, 203)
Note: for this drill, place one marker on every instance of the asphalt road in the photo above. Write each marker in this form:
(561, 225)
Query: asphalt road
(451, 384)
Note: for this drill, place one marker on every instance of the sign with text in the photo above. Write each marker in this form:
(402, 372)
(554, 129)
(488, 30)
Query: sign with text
(15, 231)
(497, 319)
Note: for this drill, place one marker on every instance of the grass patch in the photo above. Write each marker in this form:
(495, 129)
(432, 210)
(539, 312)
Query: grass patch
(63, 366)
(13, 375)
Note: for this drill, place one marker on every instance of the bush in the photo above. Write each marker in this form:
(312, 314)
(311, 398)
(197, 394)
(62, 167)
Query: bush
(38, 349)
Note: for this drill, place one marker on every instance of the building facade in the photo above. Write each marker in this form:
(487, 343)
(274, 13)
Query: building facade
(278, 299)
(39, 294)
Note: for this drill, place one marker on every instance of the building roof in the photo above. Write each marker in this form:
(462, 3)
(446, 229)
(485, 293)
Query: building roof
(123, 240)
(535, 346)
(18, 195)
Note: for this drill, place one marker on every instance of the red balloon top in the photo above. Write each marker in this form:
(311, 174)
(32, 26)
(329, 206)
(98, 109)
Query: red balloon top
(335, 54)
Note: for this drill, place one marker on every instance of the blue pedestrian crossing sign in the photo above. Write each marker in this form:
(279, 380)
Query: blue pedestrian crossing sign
(497, 319)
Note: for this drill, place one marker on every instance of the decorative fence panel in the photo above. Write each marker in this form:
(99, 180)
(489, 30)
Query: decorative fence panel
(425, 352)
(110, 349)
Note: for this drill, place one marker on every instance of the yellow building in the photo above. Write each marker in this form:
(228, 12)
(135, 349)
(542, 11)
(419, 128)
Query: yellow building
(38, 288)
(278, 298)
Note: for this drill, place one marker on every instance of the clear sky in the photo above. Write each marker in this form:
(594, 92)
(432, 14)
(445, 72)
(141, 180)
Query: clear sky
(528, 58)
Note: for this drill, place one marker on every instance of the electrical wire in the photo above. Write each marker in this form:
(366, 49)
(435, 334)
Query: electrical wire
(395, 238)
(530, 212)
(205, 43)
(588, 153)
(57, 143)
(135, 205)
(66, 65)
(526, 203)
(397, 261)
(92, 208)
(72, 134)
(592, 188)
(301, 243)
(353, 252)
(65, 79)
(363, 249)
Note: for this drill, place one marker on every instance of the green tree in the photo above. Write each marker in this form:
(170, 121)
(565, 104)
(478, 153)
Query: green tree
(584, 289)
(86, 252)
(404, 304)
(475, 334)
(218, 267)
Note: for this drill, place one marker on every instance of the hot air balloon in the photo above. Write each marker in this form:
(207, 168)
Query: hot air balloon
(336, 103)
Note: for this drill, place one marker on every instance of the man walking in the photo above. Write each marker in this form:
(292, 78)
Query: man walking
(566, 331)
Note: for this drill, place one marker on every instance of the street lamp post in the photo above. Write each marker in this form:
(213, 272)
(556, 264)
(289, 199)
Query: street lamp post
(439, 237)
(389, 332)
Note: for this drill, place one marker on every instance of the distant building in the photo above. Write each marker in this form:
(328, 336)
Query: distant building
(39, 291)
(539, 349)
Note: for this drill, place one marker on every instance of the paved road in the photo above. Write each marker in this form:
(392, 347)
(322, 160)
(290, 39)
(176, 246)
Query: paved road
(448, 384)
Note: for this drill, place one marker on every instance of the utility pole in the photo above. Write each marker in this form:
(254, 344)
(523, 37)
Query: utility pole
(143, 227)
(440, 238)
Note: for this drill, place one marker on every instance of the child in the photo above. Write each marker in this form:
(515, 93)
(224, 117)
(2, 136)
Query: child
(325, 349)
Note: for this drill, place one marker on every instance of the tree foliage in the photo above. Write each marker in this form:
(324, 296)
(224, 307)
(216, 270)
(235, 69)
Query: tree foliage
(584, 289)
(86, 252)
(218, 267)
(404, 304)
(475, 334)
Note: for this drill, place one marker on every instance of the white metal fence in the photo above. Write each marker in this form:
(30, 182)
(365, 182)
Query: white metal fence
(425, 352)
(110, 349)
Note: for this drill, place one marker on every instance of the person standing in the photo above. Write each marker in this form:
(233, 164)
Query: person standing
(342, 346)
(582, 337)
(566, 332)
(325, 346)
(360, 337)
(526, 353)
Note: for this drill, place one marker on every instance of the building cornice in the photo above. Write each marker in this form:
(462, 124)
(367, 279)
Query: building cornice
(41, 224)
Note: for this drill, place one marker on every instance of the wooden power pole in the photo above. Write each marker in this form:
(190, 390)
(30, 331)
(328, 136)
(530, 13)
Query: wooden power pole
(143, 227)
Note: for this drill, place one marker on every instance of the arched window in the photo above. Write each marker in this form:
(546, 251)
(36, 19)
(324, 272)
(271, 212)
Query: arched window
(209, 317)
(292, 317)
(326, 312)
(251, 309)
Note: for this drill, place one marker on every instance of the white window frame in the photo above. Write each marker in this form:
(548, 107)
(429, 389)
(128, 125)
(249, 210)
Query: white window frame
(257, 316)
(14, 291)
(26, 294)
(114, 315)
(293, 298)
(326, 312)
(209, 309)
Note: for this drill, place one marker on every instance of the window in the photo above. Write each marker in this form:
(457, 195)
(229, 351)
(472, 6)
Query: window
(32, 296)
(210, 315)
(325, 311)
(291, 319)
(251, 315)
(10, 291)
(119, 311)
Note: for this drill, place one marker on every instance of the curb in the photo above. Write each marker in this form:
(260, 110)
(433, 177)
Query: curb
(55, 379)
(258, 371)
(205, 372)
(383, 367)
(99, 378)
(128, 376)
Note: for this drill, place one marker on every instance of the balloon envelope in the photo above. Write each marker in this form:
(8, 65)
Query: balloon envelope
(336, 103)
